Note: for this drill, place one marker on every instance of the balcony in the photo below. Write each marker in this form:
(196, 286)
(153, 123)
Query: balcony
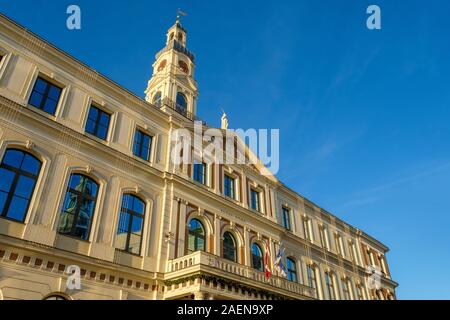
(180, 110)
(205, 263)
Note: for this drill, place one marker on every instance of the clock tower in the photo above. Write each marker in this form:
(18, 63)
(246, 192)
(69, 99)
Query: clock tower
(172, 83)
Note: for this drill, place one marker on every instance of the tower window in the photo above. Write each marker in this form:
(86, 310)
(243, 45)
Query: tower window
(157, 99)
(183, 66)
(45, 96)
(162, 65)
(181, 103)
(180, 37)
(171, 36)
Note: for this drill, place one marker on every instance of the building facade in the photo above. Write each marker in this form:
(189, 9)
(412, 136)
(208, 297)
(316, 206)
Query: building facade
(87, 185)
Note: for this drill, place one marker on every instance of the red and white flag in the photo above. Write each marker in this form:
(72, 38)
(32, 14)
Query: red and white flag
(267, 261)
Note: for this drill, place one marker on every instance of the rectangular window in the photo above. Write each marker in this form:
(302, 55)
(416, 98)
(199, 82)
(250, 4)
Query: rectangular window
(98, 123)
(306, 229)
(311, 277)
(286, 218)
(45, 96)
(229, 187)
(200, 172)
(345, 289)
(254, 200)
(142, 145)
(338, 243)
(323, 237)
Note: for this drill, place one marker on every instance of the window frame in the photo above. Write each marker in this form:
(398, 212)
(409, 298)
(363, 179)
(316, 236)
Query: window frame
(234, 247)
(100, 112)
(131, 213)
(203, 174)
(232, 186)
(18, 173)
(259, 259)
(286, 218)
(94, 209)
(196, 237)
(150, 147)
(49, 82)
(255, 200)
(292, 271)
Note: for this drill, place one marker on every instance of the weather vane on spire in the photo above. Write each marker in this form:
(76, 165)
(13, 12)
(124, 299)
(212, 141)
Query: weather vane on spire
(180, 13)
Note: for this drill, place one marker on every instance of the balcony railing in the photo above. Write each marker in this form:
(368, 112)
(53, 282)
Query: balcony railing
(200, 259)
(181, 110)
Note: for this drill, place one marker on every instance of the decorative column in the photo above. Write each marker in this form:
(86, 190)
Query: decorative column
(217, 234)
(247, 245)
(182, 230)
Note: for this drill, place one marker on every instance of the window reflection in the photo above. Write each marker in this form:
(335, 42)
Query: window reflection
(229, 247)
(79, 206)
(196, 236)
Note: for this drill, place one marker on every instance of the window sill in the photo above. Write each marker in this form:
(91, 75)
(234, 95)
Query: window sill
(41, 112)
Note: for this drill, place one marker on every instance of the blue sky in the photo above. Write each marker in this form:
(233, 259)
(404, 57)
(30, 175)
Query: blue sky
(364, 115)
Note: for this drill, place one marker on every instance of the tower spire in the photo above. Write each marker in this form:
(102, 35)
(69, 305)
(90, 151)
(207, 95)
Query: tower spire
(173, 73)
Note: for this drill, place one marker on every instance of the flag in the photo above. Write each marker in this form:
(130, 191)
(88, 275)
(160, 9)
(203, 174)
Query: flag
(181, 13)
(267, 261)
(279, 261)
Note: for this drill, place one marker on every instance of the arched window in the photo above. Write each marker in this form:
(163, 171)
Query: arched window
(157, 99)
(55, 296)
(257, 258)
(171, 36)
(79, 206)
(130, 227)
(291, 270)
(229, 247)
(312, 282)
(19, 172)
(183, 66)
(181, 102)
(196, 236)
(162, 65)
(329, 282)
(180, 37)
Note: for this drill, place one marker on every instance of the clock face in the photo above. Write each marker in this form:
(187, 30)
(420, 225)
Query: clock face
(162, 65)
(183, 66)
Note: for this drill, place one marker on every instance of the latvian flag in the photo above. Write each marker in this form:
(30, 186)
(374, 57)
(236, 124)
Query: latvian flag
(267, 261)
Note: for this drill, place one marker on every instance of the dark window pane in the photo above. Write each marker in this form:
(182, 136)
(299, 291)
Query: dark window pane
(54, 93)
(36, 99)
(31, 164)
(14, 158)
(24, 187)
(102, 132)
(6, 180)
(136, 225)
(17, 208)
(40, 86)
(50, 106)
